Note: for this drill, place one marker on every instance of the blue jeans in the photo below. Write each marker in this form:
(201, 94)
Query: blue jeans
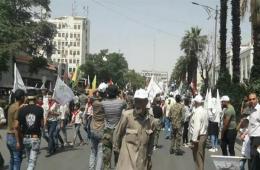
(168, 128)
(96, 154)
(32, 148)
(52, 136)
(214, 141)
(15, 155)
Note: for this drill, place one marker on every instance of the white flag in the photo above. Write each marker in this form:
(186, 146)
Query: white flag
(62, 93)
(18, 81)
(153, 89)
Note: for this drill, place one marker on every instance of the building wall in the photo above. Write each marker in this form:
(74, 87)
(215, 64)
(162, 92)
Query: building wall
(71, 41)
(29, 79)
(246, 63)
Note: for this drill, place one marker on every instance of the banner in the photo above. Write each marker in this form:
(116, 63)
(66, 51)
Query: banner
(62, 93)
(18, 81)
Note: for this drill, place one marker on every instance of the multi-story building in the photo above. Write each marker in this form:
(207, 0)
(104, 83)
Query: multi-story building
(246, 62)
(71, 41)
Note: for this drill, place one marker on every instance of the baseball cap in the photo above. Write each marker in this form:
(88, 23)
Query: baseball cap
(225, 98)
(141, 94)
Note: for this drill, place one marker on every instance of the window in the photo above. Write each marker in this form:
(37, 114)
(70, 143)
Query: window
(62, 43)
(70, 61)
(78, 35)
(66, 60)
(74, 52)
(59, 34)
(71, 35)
(78, 53)
(70, 52)
(63, 34)
(63, 25)
(67, 35)
(79, 27)
(58, 51)
(70, 69)
(74, 61)
(59, 26)
(58, 60)
(66, 43)
(75, 27)
(70, 43)
(74, 44)
(75, 35)
(78, 44)
(74, 69)
(66, 52)
(62, 60)
(58, 42)
(77, 61)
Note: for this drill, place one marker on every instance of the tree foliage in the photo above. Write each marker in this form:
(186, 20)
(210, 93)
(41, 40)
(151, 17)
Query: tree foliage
(20, 34)
(179, 70)
(236, 40)
(223, 35)
(106, 66)
(192, 44)
(134, 80)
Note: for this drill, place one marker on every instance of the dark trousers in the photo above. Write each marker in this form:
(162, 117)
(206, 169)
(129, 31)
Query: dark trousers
(52, 136)
(255, 156)
(228, 140)
(185, 133)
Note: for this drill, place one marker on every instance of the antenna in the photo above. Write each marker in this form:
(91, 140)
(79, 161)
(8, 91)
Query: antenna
(73, 8)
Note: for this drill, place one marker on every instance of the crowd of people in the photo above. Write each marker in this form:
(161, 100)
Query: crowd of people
(128, 126)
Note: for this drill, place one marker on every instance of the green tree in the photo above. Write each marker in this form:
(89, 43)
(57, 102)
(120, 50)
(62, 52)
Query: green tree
(134, 80)
(236, 40)
(179, 70)
(106, 66)
(19, 34)
(192, 44)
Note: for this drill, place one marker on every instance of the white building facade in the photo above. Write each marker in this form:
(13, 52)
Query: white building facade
(71, 41)
(246, 62)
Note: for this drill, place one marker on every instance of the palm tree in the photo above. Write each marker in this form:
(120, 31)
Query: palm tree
(193, 43)
(236, 40)
(255, 21)
(223, 35)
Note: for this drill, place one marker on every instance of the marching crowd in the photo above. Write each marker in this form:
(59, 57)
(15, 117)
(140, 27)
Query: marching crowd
(127, 125)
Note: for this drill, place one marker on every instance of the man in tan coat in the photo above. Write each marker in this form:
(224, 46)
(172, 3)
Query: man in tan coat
(133, 137)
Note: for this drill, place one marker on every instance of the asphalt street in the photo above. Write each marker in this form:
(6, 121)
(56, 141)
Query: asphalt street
(77, 157)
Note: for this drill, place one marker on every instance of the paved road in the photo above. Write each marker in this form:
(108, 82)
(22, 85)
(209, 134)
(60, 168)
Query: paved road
(77, 158)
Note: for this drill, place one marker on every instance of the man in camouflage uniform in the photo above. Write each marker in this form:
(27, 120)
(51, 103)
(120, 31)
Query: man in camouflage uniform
(176, 116)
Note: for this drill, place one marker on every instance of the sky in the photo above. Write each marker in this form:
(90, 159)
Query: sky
(147, 32)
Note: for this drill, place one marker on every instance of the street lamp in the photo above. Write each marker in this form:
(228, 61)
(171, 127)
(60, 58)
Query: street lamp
(209, 9)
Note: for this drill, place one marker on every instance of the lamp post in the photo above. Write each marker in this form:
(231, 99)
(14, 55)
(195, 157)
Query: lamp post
(209, 9)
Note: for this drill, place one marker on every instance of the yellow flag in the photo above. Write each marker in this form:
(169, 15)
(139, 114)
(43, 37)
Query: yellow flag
(75, 75)
(94, 83)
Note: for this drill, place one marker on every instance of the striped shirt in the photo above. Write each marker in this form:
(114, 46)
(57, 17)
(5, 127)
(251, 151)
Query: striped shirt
(113, 110)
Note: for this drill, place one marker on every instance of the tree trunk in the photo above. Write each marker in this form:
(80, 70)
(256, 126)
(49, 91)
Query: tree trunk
(236, 40)
(223, 35)
(255, 71)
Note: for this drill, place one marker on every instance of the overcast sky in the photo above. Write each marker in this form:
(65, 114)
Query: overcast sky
(147, 32)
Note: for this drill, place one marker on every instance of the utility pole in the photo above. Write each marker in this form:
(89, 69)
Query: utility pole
(208, 9)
